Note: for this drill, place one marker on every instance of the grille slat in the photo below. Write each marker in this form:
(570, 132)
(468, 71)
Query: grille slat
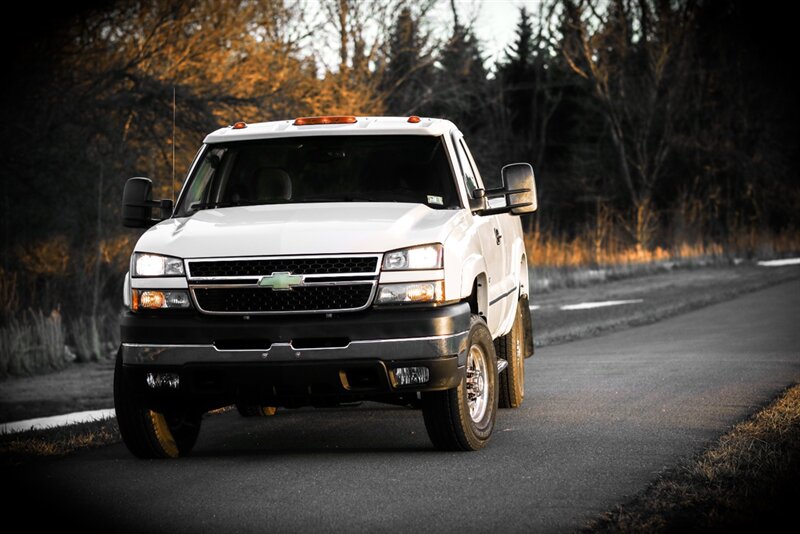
(300, 299)
(266, 266)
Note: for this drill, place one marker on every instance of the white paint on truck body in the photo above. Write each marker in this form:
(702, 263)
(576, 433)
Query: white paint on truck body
(488, 247)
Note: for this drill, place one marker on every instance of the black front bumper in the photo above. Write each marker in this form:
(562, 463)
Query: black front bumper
(294, 360)
(205, 386)
(261, 331)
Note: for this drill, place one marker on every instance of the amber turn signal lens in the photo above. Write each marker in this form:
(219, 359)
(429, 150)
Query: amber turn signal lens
(149, 299)
(328, 119)
(152, 300)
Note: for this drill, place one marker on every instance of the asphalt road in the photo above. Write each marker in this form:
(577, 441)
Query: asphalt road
(602, 417)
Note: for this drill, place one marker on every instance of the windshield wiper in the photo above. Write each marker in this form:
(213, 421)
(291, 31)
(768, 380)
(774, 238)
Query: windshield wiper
(343, 198)
(221, 204)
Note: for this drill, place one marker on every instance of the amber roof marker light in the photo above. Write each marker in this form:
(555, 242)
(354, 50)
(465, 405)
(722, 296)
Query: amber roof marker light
(413, 119)
(239, 125)
(328, 119)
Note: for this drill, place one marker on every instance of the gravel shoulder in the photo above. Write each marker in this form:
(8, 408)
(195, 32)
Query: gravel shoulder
(89, 386)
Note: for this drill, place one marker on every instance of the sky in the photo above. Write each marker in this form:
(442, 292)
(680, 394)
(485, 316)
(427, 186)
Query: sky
(495, 22)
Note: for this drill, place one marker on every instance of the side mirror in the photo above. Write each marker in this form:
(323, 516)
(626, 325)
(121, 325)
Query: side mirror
(138, 204)
(519, 186)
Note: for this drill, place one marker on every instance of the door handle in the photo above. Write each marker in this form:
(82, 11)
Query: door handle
(497, 235)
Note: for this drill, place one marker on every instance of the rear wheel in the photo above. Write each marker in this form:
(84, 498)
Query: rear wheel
(510, 347)
(255, 410)
(462, 418)
(151, 434)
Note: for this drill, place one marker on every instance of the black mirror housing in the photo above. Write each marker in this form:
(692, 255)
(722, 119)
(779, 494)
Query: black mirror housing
(167, 206)
(519, 186)
(138, 204)
(478, 200)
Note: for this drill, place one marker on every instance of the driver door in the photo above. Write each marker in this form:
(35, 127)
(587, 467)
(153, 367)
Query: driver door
(490, 233)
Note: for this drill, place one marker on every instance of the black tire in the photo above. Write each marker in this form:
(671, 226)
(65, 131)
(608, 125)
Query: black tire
(462, 418)
(254, 410)
(147, 433)
(511, 347)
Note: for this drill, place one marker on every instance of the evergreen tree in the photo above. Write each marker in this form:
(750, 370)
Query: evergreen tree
(517, 76)
(407, 83)
(461, 82)
(530, 80)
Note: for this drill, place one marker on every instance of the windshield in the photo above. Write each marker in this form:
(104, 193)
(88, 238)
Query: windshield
(364, 168)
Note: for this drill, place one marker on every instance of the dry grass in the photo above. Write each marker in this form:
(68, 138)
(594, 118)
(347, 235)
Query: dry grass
(37, 343)
(604, 253)
(85, 337)
(747, 479)
(32, 344)
(9, 296)
(58, 442)
(548, 250)
(94, 338)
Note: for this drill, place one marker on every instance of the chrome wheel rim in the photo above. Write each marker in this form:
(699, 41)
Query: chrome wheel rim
(477, 383)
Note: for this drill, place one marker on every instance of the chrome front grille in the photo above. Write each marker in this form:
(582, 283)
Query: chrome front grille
(318, 284)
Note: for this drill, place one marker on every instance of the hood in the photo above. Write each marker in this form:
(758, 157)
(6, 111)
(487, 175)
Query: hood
(294, 229)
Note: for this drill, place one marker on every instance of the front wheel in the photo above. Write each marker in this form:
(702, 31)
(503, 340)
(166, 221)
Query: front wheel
(151, 434)
(462, 418)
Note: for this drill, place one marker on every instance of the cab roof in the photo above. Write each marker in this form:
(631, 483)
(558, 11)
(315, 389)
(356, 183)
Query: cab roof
(362, 126)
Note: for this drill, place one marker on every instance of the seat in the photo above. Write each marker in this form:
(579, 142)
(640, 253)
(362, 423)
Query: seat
(272, 183)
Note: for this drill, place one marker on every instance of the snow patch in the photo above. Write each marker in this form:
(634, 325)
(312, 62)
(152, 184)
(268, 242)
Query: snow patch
(534, 307)
(600, 304)
(56, 421)
(780, 263)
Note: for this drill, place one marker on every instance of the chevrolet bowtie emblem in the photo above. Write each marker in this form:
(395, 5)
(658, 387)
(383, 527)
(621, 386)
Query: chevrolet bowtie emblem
(281, 281)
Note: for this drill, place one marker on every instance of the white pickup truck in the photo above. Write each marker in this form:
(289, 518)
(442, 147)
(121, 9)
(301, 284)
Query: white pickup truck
(321, 261)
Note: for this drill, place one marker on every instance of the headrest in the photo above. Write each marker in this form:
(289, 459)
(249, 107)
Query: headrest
(272, 183)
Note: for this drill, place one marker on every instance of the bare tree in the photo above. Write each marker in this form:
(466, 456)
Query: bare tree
(361, 30)
(632, 54)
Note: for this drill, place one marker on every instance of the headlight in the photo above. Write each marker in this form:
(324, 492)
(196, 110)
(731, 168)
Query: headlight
(159, 299)
(412, 292)
(155, 265)
(415, 258)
